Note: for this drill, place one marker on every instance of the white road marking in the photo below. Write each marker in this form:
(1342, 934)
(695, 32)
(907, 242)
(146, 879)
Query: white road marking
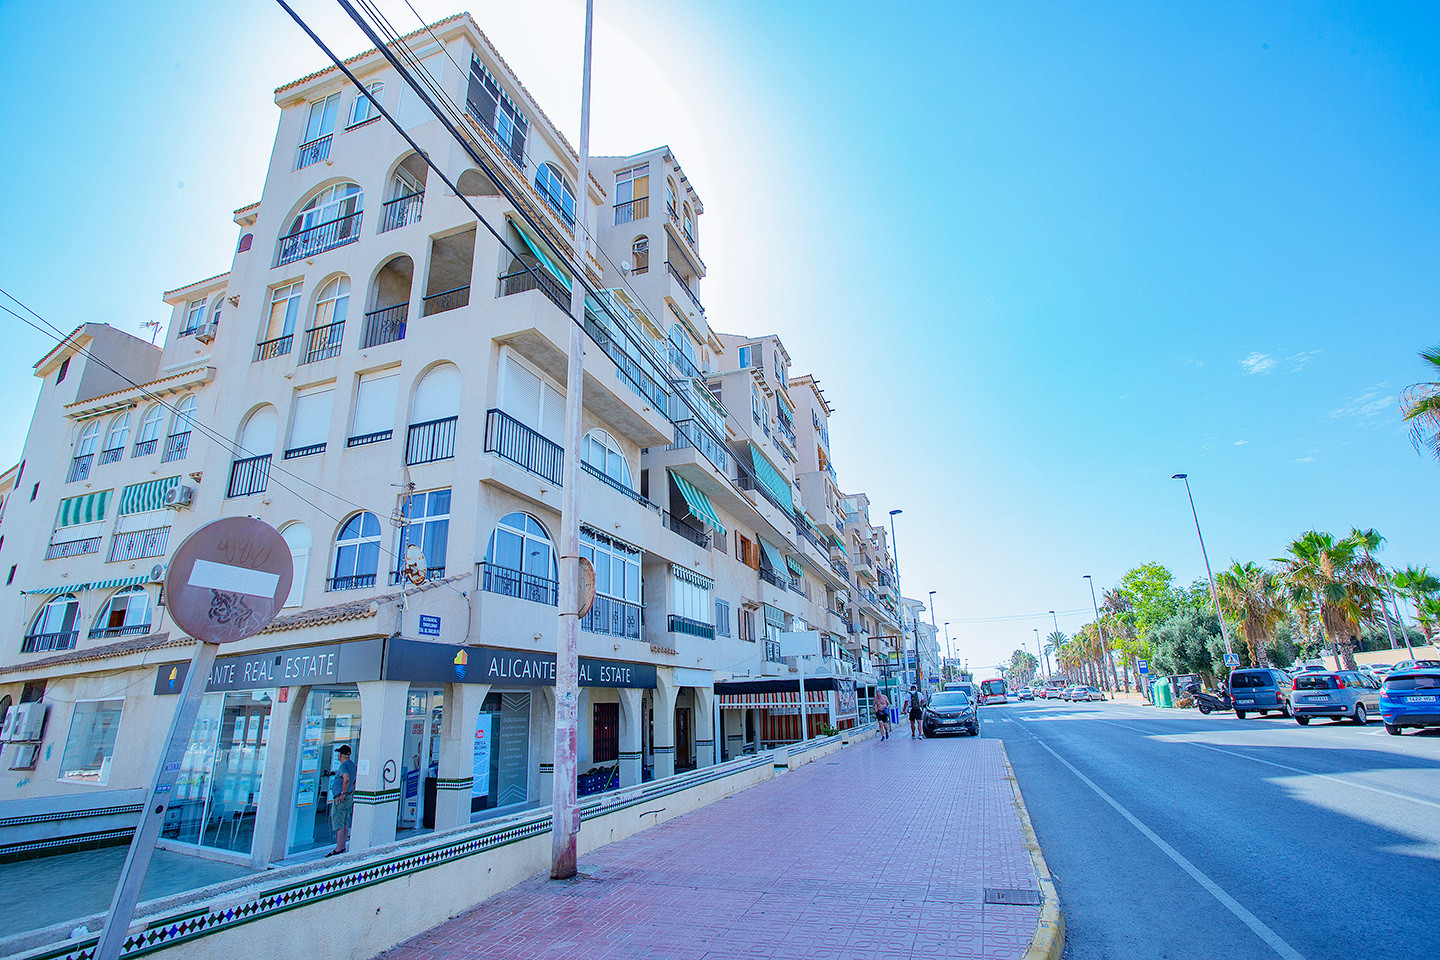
(1230, 903)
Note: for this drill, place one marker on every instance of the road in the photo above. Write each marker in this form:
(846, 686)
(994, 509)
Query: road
(1181, 836)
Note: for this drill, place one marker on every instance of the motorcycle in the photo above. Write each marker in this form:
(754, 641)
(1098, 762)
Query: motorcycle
(1208, 702)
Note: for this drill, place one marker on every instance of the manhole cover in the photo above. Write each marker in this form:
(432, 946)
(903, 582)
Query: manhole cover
(1013, 897)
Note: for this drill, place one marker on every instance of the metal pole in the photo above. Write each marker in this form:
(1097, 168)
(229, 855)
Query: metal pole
(1056, 620)
(895, 556)
(1040, 652)
(1404, 628)
(152, 817)
(800, 667)
(565, 812)
(1100, 630)
(1215, 597)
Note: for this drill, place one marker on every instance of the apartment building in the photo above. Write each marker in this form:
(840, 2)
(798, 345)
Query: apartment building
(380, 375)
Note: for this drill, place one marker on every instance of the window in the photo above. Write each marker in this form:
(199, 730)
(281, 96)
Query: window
(357, 553)
(115, 437)
(34, 491)
(757, 405)
(11, 578)
(333, 303)
(556, 192)
(321, 120)
(90, 745)
(689, 224)
(749, 355)
(520, 561)
(331, 219)
(363, 109)
(670, 198)
(178, 442)
(215, 311)
(284, 310)
(747, 551)
(680, 340)
(375, 401)
(125, 614)
(747, 624)
(54, 626)
(297, 538)
(148, 437)
(532, 401)
(603, 455)
(690, 599)
(640, 256)
(487, 103)
(722, 618)
(427, 517)
(617, 585)
(195, 316)
(89, 436)
(632, 194)
(434, 412)
(64, 369)
(310, 423)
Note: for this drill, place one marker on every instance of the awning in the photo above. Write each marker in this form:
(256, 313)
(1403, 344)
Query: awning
(816, 701)
(97, 585)
(700, 506)
(773, 554)
(773, 480)
(89, 508)
(794, 565)
(540, 255)
(143, 497)
(840, 544)
(62, 588)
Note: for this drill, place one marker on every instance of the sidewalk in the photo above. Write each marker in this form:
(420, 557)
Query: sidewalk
(882, 850)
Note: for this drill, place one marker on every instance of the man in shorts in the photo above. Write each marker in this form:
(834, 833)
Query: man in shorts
(342, 799)
(916, 709)
(882, 714)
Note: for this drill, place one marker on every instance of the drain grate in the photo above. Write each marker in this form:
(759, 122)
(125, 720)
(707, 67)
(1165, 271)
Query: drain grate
(1012, 896)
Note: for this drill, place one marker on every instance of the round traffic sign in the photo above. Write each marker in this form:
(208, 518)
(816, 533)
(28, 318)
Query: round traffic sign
(587, 587)
(228, 579)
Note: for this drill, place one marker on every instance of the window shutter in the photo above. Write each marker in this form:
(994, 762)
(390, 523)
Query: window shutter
(438, 395)
(552, 414)
(258, 437)
(375, 404)
(521, 397)
(480, 98)
(301, 558)
(311, 423)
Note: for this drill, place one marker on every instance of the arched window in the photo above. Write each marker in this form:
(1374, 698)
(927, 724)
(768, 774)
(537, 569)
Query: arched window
(116, 437)
(331, 218)
(363, 108)
(329, 205)
(670, 198)
(640, 256)
(125, 614)
(89, 437)
(556, 192)
(297, 538)
(433, 415)
(179, 440)
(149, 436)
(327, 327)
(215, 311)
(250, 471)
(357, 553)
(688, 224)
(54, 626)
(520, 561)
(602, 455)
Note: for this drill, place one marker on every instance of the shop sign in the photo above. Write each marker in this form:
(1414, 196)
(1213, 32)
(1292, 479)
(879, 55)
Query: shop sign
(445, 663)
(295, 667)
(429, 625)
(847, 704)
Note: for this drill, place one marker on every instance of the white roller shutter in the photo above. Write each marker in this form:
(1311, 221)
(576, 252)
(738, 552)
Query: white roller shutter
(437, 396)
(258, 437)
(532, 401)
(297, 536)
(375, 404)
(311, 422)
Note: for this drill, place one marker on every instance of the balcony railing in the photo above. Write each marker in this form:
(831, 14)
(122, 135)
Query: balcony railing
(322, 343)
(139, 543)
(176, 446)
(690, 532)
(536, 278)
(45, 642)
(774, 579)
(430, 441)
(798, 586)
(803, 528)
(145, 447)
(313, 152)
(295, 453)
(747, 481)
(684, 286)
(113, 455)
(616, 485)
(357, 581)
(319, 238)
(691, 628)
(72, 548)
(249, 476)
(402, 211)
(614, 618)
(623, 356)
(690, 433)
(772, 652)
(786, 428)
(80, 468)
(511, 439)
(523, 586)
(365, 439)
(448, 300)
(134, 630)
(277, 347)
(385, 325)
(844, 620)
(431, 573)
(681, 362)
(632, 210)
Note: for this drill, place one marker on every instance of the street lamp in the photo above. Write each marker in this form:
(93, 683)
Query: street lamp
(1104, 653)
(1215, 597)
(1040, 652)
(933, 631)
(1056, 620)
(895, 556)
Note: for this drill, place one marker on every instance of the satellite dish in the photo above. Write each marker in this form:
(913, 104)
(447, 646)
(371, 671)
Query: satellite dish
(415, 564)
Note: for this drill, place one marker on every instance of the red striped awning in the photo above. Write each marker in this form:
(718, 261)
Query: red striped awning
(816, 701)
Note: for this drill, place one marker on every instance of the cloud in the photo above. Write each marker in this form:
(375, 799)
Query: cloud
(1372, 406)
(1258, 363)
(1298, 360)
(1238, 443)
(1304, 459)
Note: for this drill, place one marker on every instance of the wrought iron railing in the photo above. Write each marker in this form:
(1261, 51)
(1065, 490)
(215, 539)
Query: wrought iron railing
(632, 210)
(692, 628)
(402, 211)
(385, 325)
(276, 347)
(747, 481)
(798, 586)
(774, 579)
(615, 485)
(295, 453)
(365, 439)
(80, 468)
(681, 362)
(514, 583)
(249, 476)
(45, 642)
(536, 278)
(139, 543)
(690, 532)
(511, 439)
(72, 548)
(133, 630)
(357, 581)
(772, 652)
(402, 576)
(322, 343)
(176, 446)
(691, 433)
(430, 441)
(113, 455)
(639, 380)
(447, 300)
(145, 447)
(615, 618)
(313, 151)
(319, 238)
(840, 567)
(786, 428)
(684, 286)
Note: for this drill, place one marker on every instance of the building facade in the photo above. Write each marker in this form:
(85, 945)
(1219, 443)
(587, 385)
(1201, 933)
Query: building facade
(380, 375)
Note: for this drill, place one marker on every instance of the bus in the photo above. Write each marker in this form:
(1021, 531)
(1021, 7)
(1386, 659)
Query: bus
(992, 691)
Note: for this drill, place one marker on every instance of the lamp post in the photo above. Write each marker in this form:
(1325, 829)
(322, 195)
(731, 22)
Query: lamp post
(1040, 652)
(1104, 653)
(948, 654)
(933, 630)
(1214, 597)
(895, 556)
(1056, 620)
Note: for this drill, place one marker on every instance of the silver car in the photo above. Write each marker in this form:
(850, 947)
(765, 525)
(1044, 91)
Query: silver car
(1339, 695)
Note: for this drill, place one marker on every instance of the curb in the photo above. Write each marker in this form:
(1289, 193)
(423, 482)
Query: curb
(1049, 940)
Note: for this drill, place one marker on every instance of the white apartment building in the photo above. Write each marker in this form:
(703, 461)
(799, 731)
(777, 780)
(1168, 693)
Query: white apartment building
(383, 368)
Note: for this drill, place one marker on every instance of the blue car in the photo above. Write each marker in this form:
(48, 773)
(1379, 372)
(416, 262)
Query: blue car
(1410, 698)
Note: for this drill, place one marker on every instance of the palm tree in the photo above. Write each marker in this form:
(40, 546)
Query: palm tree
(1421, 588)
(1370, 543)
(1332, 572)
(1420, 405)
(1254, 597)
(1055, 644)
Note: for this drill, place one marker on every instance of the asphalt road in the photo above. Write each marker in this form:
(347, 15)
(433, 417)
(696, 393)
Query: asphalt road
(1174, 835)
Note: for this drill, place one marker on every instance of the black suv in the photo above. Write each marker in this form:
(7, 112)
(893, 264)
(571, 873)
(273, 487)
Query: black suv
(951, 711)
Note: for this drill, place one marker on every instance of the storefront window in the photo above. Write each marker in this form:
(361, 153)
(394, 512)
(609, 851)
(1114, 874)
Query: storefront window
(217, 790)
(502, 753)
(91, 743)
(423, 714)
(332, 718)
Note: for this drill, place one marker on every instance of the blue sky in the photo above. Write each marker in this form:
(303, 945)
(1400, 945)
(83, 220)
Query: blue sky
(1041, 256)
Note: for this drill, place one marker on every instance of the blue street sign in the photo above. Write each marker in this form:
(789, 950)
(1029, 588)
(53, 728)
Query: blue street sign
(429, 626)
(1232, 659)
(1142, 665)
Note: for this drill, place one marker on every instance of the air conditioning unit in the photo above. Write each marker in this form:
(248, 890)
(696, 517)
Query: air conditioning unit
(25, 722)
(179, 496)
(6, 724)
(206, 333)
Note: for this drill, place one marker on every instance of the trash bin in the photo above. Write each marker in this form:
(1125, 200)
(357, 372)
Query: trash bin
(1164, 696)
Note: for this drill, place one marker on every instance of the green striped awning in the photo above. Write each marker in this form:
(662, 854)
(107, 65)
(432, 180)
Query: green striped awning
(700, 506)
(62, 588)
(89, 508)
(143, 497)
(773, 554)
(794, 565)
(122, 582)
(840, 544)
(540, 255)
(773, 480)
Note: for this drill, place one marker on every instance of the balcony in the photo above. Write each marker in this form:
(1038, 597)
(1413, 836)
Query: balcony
(133, 630)
(448, 300)
(322, 343)
(278, 347)
(787, 430)
(522, 586)
(798, 586)
(357, 581)
(72, 548)
(536, 278)
(385, 325)
(113, 455)
(430, 441)
(774, 579)
(614, 618)
(176, 446)
(401, 212)
(431, 573)
(616, 485)
(140, 543)
(840, 567)
(632, 210)
(512, 440)
(689, 294)
(772, 652)
(249, 476)
(144, 448)
(46, 642)
(746, 481)
(690, 433)
(80, 468)
(843, 620)
(689, 531)
(319, 238)
(690, 628)
(313, 152)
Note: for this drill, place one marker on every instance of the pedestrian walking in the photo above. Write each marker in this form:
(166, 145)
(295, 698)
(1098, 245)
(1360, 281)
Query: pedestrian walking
(342, 799)
(882, 714)
(916, 707)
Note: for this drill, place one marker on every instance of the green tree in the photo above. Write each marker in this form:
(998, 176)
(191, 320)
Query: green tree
(1190, 642)
(1421, 588)
(1022, 668)
(1152, 597)
(1330, 572)
(1420, 406)
(1253, 597)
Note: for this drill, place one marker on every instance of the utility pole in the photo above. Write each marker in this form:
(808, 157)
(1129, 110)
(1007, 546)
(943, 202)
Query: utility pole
(565, 812)
(895, 556)
(1105, 653)
(1215, 597)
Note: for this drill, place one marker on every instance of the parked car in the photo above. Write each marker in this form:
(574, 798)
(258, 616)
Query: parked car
(1086, 694)
(1069, 693)
(1410, 698)
(951, 711)
(1418, 665)
(1261, 690)
(1379, 671)
(1025, 693)
(1340, 695)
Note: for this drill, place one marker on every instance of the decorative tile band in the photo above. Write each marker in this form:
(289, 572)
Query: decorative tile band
(374, 797)
(127, 808)
(460, 783)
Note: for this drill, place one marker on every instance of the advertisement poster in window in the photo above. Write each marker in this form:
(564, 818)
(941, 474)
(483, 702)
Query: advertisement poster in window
(480, 769)
(342, 729)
